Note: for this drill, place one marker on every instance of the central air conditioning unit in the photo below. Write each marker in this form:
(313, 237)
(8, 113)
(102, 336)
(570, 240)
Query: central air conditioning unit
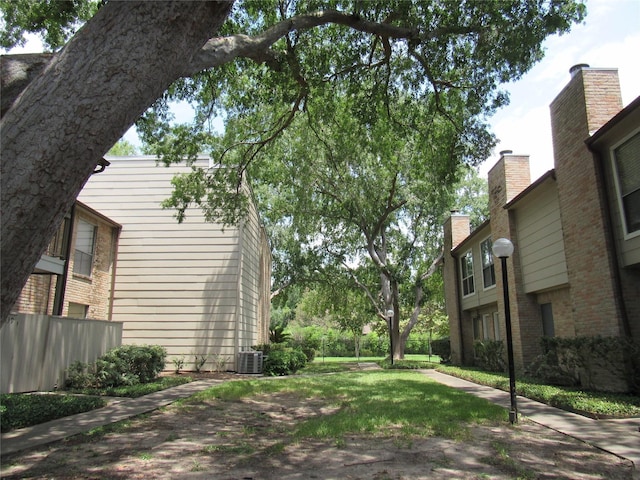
(250, 362)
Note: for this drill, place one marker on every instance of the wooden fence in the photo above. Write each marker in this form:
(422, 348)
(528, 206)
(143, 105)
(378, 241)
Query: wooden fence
(35, 350)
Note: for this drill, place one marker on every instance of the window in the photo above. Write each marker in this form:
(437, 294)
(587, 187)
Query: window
(477, 328)
(85, 245)
(466, 264)
(485, 327)
(77, 310)
(626, 158)
(496, 325)
(488, 271)
(546, 312)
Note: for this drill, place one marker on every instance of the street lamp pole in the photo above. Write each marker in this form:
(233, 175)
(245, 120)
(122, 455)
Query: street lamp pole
(390, 317)
(503, 249)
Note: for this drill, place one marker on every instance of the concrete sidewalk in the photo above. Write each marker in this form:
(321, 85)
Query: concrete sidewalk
(120, 409)
(620, 437)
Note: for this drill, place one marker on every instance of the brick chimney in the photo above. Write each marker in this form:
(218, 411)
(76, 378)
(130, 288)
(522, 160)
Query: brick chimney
(456, 229)
(590, 99)
(508, 178)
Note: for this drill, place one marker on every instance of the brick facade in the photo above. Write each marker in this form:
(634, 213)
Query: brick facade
(507, 179)
(94, 292)
(456, 229)
(591, 98)
(574, 268)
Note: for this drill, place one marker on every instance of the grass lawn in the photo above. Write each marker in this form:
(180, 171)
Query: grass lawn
(22, 410)
(589, 403)
(19, 410)
(377, 402)
(418, 358)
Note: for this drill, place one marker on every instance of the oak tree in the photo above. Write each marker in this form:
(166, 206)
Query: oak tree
(131, 56)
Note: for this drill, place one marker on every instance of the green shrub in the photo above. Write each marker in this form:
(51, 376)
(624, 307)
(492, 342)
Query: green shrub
(490, 355)
(307, 345)
(125, 365)
(442, 348)
(79, 376)
(277, 334)
(594, 404)
(579, 360)
(134, 391)
(23, 410)
(265, 348)
(283, 360)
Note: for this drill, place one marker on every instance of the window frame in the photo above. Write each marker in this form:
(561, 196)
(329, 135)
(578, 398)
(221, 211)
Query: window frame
(490, 266)
(78, 306)
(76, 251)
(616, 180)
(464, 278)
(486, 333)
(547, 320)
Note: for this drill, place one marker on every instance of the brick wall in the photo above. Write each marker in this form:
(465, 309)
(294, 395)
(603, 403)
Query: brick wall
(591, 98)
(93, 291)
(37, 296)
(456, 229)
(34, 297)
(560, 301)
(508, 178)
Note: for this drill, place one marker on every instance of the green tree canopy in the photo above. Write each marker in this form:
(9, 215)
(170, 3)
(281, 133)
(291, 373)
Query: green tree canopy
(261, 65)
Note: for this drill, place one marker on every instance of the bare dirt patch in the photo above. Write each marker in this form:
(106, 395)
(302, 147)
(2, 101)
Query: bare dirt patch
(251, 439)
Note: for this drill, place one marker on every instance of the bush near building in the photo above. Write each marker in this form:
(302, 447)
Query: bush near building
(125, 365)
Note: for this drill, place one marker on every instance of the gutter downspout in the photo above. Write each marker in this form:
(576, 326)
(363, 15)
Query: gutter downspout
(239, 291)
(61, 282)
(459, 302)
(116, 242)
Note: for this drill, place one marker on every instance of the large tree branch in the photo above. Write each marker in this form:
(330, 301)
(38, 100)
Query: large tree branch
(17, 72)
(221, 50)
(365, 289)
(75, 110)
(419, 295)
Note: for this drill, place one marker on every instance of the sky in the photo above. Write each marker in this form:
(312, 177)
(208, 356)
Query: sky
(608, 38)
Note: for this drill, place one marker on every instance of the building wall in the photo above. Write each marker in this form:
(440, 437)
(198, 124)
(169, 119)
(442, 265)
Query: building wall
(456, 229)
(35, 296)
(563, 320)
(591, 98)
(570, 252)
(93, 291)
(481, 296)
(178, 284)
(507, 179)
(253, 269)
(541, 245)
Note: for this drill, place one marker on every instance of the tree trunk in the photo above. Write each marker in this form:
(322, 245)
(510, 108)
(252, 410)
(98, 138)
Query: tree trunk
(68, 117)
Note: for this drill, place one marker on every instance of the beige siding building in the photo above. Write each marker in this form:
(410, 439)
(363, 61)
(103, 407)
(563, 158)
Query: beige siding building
(194, 287)
(575, 270)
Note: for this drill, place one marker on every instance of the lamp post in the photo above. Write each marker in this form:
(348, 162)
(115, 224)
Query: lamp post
(503, 249)
(390, 317)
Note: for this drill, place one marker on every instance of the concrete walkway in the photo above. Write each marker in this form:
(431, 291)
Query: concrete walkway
(119, 409)
(620, 437)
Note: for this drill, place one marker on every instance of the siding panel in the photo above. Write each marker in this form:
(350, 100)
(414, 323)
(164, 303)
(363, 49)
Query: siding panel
(540, 240)
(177, 285)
